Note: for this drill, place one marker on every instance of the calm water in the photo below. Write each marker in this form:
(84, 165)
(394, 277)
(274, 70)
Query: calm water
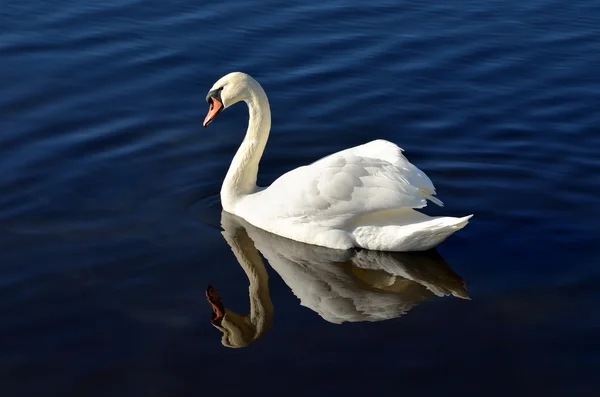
(110, 218)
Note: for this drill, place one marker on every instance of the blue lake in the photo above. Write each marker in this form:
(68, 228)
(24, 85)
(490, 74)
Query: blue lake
(110, 218)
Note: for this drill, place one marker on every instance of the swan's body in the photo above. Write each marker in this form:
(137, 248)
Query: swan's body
(363, 197)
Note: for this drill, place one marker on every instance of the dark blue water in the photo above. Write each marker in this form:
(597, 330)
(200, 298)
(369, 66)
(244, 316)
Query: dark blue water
(110, 218)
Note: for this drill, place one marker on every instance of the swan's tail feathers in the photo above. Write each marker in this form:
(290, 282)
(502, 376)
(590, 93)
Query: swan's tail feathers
(409, 230)
(458, 223)
(429, 196)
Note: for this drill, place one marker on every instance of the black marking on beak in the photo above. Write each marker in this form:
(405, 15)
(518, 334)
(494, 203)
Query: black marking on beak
(214, 94)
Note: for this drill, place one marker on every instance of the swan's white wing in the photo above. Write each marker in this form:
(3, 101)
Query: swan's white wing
(392, 153)
(347, 184)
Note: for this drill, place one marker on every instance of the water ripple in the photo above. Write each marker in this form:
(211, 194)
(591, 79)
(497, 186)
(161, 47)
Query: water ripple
(106, 169)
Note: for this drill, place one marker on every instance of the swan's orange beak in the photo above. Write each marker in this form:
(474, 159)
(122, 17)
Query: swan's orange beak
(215, 108)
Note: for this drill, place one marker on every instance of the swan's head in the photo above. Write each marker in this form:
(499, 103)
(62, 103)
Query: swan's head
(228, 90)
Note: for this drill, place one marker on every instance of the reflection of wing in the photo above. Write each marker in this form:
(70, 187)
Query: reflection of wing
(344, 286)
(427, 268)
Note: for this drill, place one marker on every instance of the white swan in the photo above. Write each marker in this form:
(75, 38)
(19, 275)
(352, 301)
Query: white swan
(359, 197)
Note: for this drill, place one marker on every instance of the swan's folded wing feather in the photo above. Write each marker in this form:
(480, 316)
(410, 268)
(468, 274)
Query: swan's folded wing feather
(391, 153)
(342, 186)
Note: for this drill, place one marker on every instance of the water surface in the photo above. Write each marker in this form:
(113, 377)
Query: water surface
(110, 218)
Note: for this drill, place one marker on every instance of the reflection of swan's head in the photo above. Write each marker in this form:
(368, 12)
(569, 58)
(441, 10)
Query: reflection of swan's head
(237, 330)
(228, 90)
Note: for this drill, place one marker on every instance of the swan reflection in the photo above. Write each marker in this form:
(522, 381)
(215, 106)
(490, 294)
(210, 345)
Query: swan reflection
(340, 286)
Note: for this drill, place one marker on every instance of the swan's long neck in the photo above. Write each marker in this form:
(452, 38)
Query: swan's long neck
(241, 177)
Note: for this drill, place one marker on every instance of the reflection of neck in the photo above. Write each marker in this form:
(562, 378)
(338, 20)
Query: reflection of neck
(261, 307)
(243, 171)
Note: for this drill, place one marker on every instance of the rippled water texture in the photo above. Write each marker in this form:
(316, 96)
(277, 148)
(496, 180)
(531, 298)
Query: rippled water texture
(111, 226)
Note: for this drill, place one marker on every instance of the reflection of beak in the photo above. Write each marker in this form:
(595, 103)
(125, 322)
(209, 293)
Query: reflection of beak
(215, 108)
(215, 301)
